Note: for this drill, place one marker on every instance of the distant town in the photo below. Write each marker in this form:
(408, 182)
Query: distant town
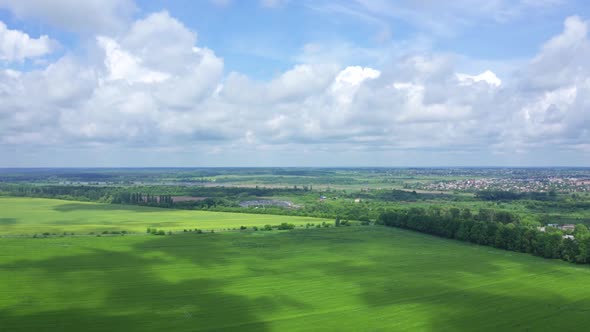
(559, 184)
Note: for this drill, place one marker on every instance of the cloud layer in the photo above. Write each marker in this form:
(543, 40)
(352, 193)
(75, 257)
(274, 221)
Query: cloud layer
(151, 86)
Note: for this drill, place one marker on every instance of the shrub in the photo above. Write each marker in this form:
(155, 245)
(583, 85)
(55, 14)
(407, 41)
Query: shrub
(161, 232)
(267, 227)
(284, 226)
(243, 228)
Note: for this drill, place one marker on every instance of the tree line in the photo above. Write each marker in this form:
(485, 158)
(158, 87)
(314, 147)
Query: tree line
(504, 195)
(484, 229)
(143, 199)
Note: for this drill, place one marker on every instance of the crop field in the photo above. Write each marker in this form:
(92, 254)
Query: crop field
(37, 215)
(362, 278)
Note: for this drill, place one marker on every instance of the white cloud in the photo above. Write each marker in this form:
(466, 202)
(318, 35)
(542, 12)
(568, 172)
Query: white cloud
(124, 66)
(129, 94)
(154, 86)
(487, 76)
(294, 85)
(163, 42)
(552, 93)
(75, 15)
(562, 59)
(17, 46)
(348, 81)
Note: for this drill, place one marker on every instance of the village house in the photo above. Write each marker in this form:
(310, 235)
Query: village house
(568, 227)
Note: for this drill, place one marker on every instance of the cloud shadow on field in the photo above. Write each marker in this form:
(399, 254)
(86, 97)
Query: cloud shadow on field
(133, 296)
(205, 250)
(434, 289)
(8, 221)
(445, 302)
(453, 308)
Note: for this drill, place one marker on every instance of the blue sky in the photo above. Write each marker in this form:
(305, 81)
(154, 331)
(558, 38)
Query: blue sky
(294, 83)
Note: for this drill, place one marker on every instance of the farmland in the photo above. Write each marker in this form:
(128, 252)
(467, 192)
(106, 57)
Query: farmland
(28, 216)
(77, 256)
(352, 278)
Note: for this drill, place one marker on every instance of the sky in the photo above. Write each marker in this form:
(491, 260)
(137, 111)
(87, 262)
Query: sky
(138, 83)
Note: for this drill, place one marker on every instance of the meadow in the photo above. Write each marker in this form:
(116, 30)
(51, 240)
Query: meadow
(363, 278)
(28, 216)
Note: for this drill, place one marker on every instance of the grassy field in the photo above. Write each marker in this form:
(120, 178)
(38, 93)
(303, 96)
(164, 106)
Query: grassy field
(38, 215)
(339, 279)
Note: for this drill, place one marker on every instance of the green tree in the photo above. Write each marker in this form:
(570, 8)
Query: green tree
(581, 231)
(478, 233)
(584, 250)
(569, 250)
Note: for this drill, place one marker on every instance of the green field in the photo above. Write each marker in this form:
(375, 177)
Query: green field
(37, 215)
(363, 278)
(359, 278)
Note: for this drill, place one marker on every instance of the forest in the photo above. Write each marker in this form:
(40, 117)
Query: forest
(490, 228)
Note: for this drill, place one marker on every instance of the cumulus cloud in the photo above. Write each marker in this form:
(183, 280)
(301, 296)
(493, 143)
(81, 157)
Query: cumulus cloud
(347, 82)
(146, 76)
(487, 76)
(552, 92)
(122, 65)
(154, 86)
(17, 46)
(295, 85)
